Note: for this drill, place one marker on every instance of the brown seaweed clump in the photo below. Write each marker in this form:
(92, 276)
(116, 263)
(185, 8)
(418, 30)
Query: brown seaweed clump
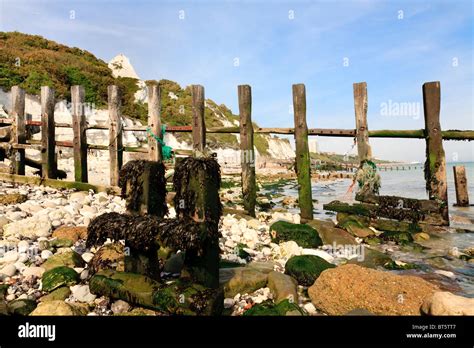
(131, 182)
(146, 232)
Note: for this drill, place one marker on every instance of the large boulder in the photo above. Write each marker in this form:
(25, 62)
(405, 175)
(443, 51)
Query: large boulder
(306, 268)
(349, 287)
(283, 287)
(304, 235)
(330, 234)
(355, 224)
(371, 258)
(446, 303)
(242, 280)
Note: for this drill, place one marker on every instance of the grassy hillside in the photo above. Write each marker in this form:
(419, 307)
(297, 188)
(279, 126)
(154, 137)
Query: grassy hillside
(32, 61)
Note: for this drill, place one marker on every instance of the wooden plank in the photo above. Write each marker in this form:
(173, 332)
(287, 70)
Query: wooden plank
(199, 126)
(360, 106)
(303, 164)
(247, 154)
(435, 165)
(19, 131)
(115, 134)
(154, 122)
(460, 183)
(79, 125)
(48, 134)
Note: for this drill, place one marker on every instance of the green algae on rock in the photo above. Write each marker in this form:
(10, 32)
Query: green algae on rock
(304, 235)
(59, 276)
(306, 268)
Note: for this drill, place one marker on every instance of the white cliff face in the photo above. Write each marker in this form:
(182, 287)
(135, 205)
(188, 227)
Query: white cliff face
(121, 67)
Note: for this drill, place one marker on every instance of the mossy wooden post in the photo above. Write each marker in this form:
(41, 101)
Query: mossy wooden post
(115, 133)
(362, 130)
(435, 165)
(197, 182)
(247, 154)
(154, 122)
(199, 126)
(48, 131)
(78, 96)
(460, 182)
(303, 168)
(19, 130)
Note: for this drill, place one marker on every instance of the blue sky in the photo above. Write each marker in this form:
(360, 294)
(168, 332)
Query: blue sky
(394, 46)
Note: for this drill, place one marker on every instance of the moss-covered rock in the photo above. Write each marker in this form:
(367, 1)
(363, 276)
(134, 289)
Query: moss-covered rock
(109, 256)
(60, 294)
(12, 198)
(59, 308)
(399, 265)
(304, 235)
(268, 308)
(355, 224)
(306, 268)
(402, 238)
(61, 243)
(69, 259)
(242, 280)
(59, 276)
(330, 234)
(371, 259)
(21, 307)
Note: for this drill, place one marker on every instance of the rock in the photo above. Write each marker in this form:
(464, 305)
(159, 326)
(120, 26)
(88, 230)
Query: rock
(242, 280)
(43, 244)
(23, 246)
(61, 243)
(289, 249)
(87, 257)
(139, 312)
(110, 256)
(228, 302)
(58, 277)
(283, 287)
(348, 287)
(46, 254)
(29, 228)
(420, 237)
(332, 235)
(9, 257)
(78, 197)
(3, 221)
(33, 271)
(8, 270)
(82, 293)
(58, 308)
(306, 268)
(72, 233)
(120, 306)
(21, 307)
(69, 258)
(317, 252)
(177, 297)
(12, 198)
(310, 309)
(359, 311)
(304, 235)
(268, 308)
(355, 224)
(401, 238)
(371, 258)
(446, 303)
(61, 293)
(174, 264)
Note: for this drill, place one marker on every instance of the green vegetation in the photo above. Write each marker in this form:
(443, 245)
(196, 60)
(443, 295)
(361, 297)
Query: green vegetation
(268, 308)
(306, 268)
(304, 235)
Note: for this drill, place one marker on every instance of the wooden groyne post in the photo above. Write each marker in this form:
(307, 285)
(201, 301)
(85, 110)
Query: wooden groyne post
(435, 165)
(460, 183)
(362, 130)
(48, 133)
(154, 123)
(199, 125)
(303, 163)
(78, 96)
(247, 153)
(19, 130)
(115, 133)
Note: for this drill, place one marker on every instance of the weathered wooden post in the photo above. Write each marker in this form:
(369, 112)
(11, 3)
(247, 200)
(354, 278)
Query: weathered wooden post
(460, 182)
(79, 130)
(198, 206)
(247, 154)
(435, 165)
(19, 130)
(154, 123)
(362, 131)
(199, 126)
(115, 133)
(48, 131)
(303, 168)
